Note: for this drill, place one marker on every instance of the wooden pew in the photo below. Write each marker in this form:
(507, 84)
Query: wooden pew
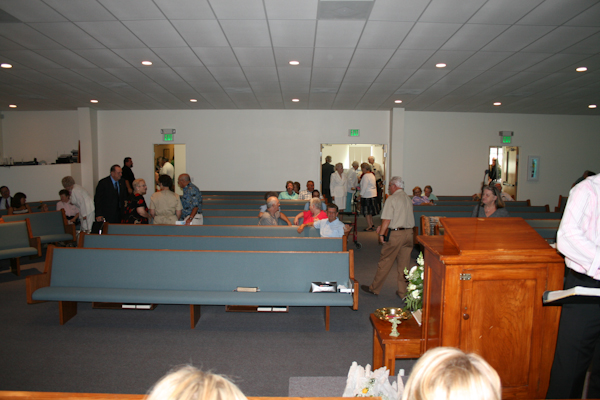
(195, 278)
(209, 230)
(21, 395)
(50, 227)
(562, 203)
(17, 241)
(242, 243)
(253, 212)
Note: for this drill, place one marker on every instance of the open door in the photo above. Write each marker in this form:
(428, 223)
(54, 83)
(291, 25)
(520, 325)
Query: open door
(175, 154)
(508, 160)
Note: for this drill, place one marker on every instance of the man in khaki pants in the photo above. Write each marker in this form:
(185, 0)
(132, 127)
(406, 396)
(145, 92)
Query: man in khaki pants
(397, 215)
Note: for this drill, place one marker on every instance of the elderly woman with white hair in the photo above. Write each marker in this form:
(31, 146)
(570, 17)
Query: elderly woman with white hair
(136, 211)
(368, 195)
(313, 214)
(82, 200)
(337, 186)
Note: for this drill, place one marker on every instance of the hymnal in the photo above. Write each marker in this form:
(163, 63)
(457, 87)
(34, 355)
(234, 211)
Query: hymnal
(247, 289)
(577, 294)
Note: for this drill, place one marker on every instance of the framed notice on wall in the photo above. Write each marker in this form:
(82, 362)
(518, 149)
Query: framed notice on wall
(533, 168)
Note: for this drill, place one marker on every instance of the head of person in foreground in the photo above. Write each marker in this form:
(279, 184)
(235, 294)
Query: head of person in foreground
(189, 383)
(446, 373)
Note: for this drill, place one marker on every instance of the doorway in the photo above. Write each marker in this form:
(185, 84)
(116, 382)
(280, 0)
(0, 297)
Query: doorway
(175, 154)
(348, 153)
(508, 160)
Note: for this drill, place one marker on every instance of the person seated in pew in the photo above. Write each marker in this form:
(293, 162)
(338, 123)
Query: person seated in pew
(71, 211)
(419, 200)
(18, 205)
(289, 193)
(332, 226)
(503, 196)
(165, 205)
(263, 208)
(491, 205)
(272, 215)
(136, 211)
(189, 383)
(429, 194)
(297, 188)
(316, 195)
(313, 214)
(448, 373)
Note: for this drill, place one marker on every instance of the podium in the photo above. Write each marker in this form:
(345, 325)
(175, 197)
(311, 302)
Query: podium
(484, 282)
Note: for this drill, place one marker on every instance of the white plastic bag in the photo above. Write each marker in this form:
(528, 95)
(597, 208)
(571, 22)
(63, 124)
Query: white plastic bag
(362, 382)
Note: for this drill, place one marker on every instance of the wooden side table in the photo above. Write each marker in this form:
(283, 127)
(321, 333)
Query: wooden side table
(387, 348)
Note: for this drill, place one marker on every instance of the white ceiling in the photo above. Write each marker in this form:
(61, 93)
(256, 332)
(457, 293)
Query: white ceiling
(354, 55)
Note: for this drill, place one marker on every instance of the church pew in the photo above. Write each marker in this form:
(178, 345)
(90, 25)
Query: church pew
(209, 230)
(510, 208)
(242, 243)
(194, 278)
(16, 241)
(519, 203)
(22, 395)
(251, 206)
(243, 213)
(50, 226)
(235, 193)
(562, 203)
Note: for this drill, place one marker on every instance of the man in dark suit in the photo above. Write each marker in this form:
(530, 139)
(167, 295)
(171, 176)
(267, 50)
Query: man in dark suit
(326, 171)
(110, 196)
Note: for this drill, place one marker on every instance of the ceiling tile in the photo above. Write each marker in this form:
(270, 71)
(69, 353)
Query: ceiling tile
(361, 75)
(429, 36)
(112, 34)
(283, 55)
(103, 58)
(156, 33)
(216, 56)
(254, 74)
(484, 60)
(30, 59)
(30, 11)
(294, 87)
(520, 61)
(185, 9)
(262, 87)
(67, 58)
(238, 9)
(517, 37)
(450, 11)
(555, 12)
(338, 33)
(133, 10)
(371, 58)
(194, 74)
(496, 12)
(27, 37)
(137, 55)
(409, 59)
(178, 56)
(227, 73)
(394, 77)
(294, 74)
(286, 33)
(247, 33)
(560, 38)
(130, 74)
(291, 9)
(394, 10)
(81, 10)
(68, 35)
(384, 34)
(332, 57)
(323, 75)
(255, 57)
(201, 33)
(473, 36)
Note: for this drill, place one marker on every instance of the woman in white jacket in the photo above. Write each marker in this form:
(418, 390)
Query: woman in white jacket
(337, 186)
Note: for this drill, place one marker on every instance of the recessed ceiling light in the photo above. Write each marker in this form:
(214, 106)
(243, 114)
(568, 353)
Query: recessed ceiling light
(13, 106)
(146, 62)
(295, 100)
(193, 100)
(294, 62)
(397, 101)
(440, 65)
(581, 69)
(497, 103)
(592, 106)
(93, 101)
(5, 65)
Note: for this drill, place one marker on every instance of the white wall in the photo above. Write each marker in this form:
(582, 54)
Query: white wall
(38, 182)
(449, 150)
(39, 134)
(236, 150)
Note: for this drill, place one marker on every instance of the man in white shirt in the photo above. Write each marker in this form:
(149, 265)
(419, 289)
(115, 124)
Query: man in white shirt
(166, 168)
(6, 198)
(351, 184)
(307, 194)
(332, 226)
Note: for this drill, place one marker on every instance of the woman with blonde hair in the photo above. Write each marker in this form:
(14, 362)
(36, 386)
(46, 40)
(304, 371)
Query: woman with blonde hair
(189, 383)
(449, 374)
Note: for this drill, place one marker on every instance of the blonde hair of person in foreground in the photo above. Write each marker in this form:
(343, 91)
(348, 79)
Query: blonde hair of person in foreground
(449, 374)
(189, 383)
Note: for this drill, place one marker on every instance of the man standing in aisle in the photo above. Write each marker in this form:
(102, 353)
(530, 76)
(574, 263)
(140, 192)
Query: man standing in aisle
(128, 175)
(191, 201)
(379, 178)
(110, 196)
(351, 185)
(397, 216)
(578, 239)
(166, 168)
(326, 171)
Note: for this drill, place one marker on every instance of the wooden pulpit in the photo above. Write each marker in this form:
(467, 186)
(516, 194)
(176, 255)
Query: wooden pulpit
(484, 281)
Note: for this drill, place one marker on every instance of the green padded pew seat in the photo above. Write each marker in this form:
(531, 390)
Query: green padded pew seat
(50, 226)
(17, 241)
(209, 230)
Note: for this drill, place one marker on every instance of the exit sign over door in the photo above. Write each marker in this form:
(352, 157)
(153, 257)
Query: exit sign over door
(354, 132)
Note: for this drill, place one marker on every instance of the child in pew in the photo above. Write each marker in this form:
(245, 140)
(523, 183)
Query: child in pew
(448, 373)
(18, 205)
(189, 383)
(71, 211)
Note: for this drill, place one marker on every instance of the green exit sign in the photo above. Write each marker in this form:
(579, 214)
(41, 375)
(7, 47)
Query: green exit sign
(506, 139)
(354, 132)
(168, 137)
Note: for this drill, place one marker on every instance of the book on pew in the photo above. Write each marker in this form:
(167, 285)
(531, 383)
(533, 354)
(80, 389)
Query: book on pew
(247, 289)
(575, 295)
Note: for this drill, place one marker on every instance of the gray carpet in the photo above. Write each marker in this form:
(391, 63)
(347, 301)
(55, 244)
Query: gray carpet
(126, 351)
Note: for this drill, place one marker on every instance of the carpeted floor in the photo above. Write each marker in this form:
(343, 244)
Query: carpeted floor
(126, 351)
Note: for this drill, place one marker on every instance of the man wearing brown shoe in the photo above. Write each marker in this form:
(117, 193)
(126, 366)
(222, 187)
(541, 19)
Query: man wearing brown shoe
(397, 216)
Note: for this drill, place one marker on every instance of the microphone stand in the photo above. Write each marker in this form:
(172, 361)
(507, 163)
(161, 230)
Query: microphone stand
(487, 171)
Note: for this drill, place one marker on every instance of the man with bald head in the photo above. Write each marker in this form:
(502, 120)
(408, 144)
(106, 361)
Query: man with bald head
(191, 201)
(379, 178)
(272, 215)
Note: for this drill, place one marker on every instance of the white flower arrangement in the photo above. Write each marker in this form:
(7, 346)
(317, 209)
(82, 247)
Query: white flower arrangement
(362, 382)
(414, 295)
